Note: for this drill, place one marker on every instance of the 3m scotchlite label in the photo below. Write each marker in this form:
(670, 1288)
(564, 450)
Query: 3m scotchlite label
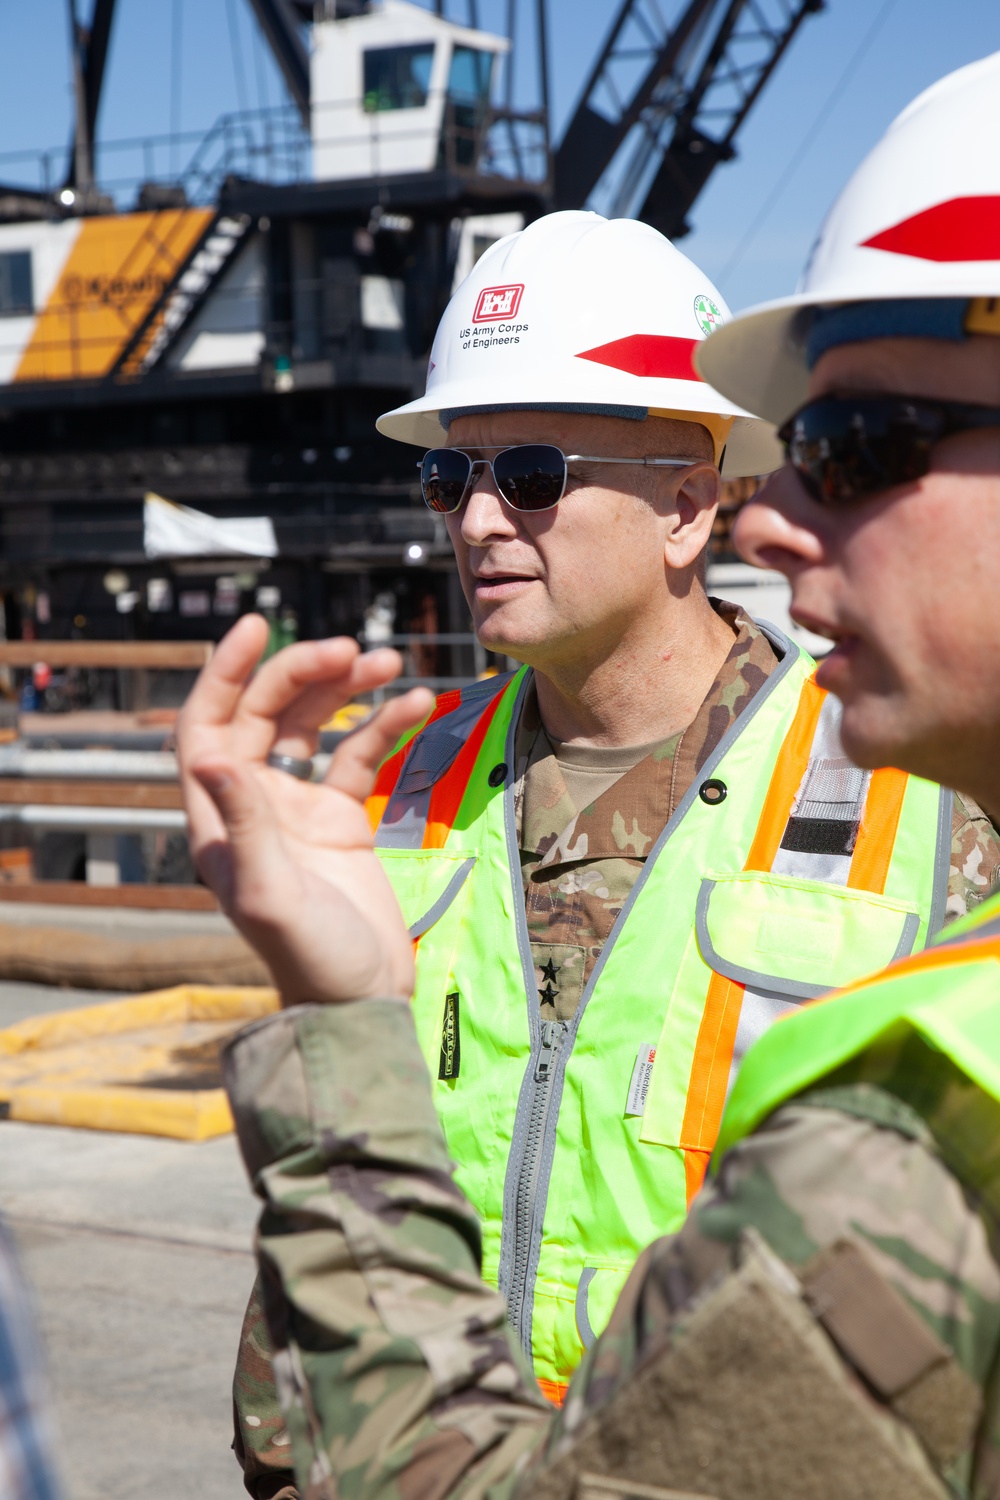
(641, 1074)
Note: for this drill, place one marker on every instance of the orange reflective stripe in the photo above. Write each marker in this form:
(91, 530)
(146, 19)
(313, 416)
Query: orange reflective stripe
(786, 778)
(713, 1056)
(713, 1052)
(877, 835)
(554, 1390)
(389, 771)
(446, 797)
(695, 1167)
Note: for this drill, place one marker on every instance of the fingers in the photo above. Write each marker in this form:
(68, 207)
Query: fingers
(204, 721)
(357, 758)
(299, 689)
(221, 682)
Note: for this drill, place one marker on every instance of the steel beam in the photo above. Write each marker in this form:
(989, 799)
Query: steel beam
(277, 20)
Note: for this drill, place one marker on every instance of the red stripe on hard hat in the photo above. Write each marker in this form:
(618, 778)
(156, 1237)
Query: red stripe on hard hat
(961, 229)
(651, 354)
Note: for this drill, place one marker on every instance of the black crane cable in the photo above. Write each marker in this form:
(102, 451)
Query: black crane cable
(807, 140)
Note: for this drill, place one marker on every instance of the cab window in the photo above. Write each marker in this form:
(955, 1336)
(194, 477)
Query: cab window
(397, 77)
(16, 292)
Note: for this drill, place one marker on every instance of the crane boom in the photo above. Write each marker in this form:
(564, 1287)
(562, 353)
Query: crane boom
(665, 100)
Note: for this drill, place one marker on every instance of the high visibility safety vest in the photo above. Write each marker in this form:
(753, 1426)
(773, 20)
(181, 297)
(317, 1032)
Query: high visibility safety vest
(784, 872)
(949, 995)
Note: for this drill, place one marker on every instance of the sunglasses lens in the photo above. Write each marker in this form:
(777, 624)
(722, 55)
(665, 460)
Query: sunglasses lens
(531, 476)
(847, 450)
(444, 477)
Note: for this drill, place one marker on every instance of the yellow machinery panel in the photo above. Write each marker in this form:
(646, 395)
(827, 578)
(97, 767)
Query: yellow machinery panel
(114, 275)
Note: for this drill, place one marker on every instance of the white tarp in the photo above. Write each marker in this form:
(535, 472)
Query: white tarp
(171, 530)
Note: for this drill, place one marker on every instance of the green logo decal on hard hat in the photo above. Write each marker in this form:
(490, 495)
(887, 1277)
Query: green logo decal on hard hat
(709, 316)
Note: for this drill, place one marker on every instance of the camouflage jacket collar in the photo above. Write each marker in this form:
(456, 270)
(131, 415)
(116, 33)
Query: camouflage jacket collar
(625, 820)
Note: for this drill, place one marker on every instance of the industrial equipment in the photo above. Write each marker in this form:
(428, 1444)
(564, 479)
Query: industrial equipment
(191, 362)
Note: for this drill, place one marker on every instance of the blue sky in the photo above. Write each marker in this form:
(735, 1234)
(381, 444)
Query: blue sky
(868, 56)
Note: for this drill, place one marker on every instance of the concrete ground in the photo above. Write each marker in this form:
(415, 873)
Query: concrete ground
(138, 1250)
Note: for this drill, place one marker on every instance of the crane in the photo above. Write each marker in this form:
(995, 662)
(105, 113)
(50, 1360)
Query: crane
(226, 337)
(665, 100)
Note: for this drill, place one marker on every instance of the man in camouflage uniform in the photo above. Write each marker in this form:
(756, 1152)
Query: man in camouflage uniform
(637, 679)
(397, 1370)
(828, 1320)
(582, 847)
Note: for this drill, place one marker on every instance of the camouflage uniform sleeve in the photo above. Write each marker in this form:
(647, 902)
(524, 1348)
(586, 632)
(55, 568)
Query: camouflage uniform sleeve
(395, 1364)
(374, 1301)
(847, 1165)
(975, 858)
(260, 1438)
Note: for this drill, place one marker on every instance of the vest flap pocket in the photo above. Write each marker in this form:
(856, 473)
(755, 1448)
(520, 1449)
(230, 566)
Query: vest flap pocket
(798, 937)
(426, 882)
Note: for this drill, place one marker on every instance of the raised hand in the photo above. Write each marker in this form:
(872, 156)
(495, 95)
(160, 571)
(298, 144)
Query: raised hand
(292, 862)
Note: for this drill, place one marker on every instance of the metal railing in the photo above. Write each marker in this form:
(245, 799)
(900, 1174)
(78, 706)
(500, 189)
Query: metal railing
(272, 145)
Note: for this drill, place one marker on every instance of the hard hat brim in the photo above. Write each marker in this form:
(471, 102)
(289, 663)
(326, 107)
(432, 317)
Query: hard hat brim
(752, 447)
(755, 359)
(758, 359)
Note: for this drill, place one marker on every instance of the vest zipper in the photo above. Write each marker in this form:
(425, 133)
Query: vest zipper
(529, 1164)
(526, 1198)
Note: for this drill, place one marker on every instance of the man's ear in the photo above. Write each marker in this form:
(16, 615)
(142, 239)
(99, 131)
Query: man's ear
(689, 526)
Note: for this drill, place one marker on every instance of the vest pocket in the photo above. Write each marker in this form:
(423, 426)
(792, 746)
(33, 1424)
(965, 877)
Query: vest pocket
(426, 883)
(798, 938)
(431, 886)
(762, 944)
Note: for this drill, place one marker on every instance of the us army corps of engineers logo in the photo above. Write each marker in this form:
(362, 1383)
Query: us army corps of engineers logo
(708, 315)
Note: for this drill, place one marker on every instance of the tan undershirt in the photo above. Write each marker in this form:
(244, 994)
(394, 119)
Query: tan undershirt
(589, 770)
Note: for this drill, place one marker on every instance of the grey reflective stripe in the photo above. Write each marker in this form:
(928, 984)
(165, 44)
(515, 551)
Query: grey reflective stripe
(763, 1010)
(432, 752)
(447, 896)
(942, 862)
(530, 1106)
(587, 1335)
(907, 937)
(833, 791)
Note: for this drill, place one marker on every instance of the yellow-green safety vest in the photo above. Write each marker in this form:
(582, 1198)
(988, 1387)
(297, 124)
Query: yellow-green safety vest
(949, 995)
(784, 872)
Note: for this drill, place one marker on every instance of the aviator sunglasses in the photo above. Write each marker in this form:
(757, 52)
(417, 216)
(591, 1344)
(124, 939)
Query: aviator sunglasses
(530, 476)
(847, 448)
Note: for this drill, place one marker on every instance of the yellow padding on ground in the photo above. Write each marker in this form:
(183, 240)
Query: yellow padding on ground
(148, 1064)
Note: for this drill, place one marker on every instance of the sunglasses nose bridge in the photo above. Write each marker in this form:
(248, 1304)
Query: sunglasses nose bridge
(482, 480)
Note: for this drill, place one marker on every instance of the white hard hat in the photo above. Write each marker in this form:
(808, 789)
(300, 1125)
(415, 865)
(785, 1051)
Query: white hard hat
(920, 219)
(578, 312)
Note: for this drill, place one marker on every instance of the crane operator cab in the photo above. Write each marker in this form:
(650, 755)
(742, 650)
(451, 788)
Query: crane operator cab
(397, 90)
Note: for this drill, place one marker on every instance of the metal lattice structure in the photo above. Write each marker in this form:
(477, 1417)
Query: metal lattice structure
(665, 100)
